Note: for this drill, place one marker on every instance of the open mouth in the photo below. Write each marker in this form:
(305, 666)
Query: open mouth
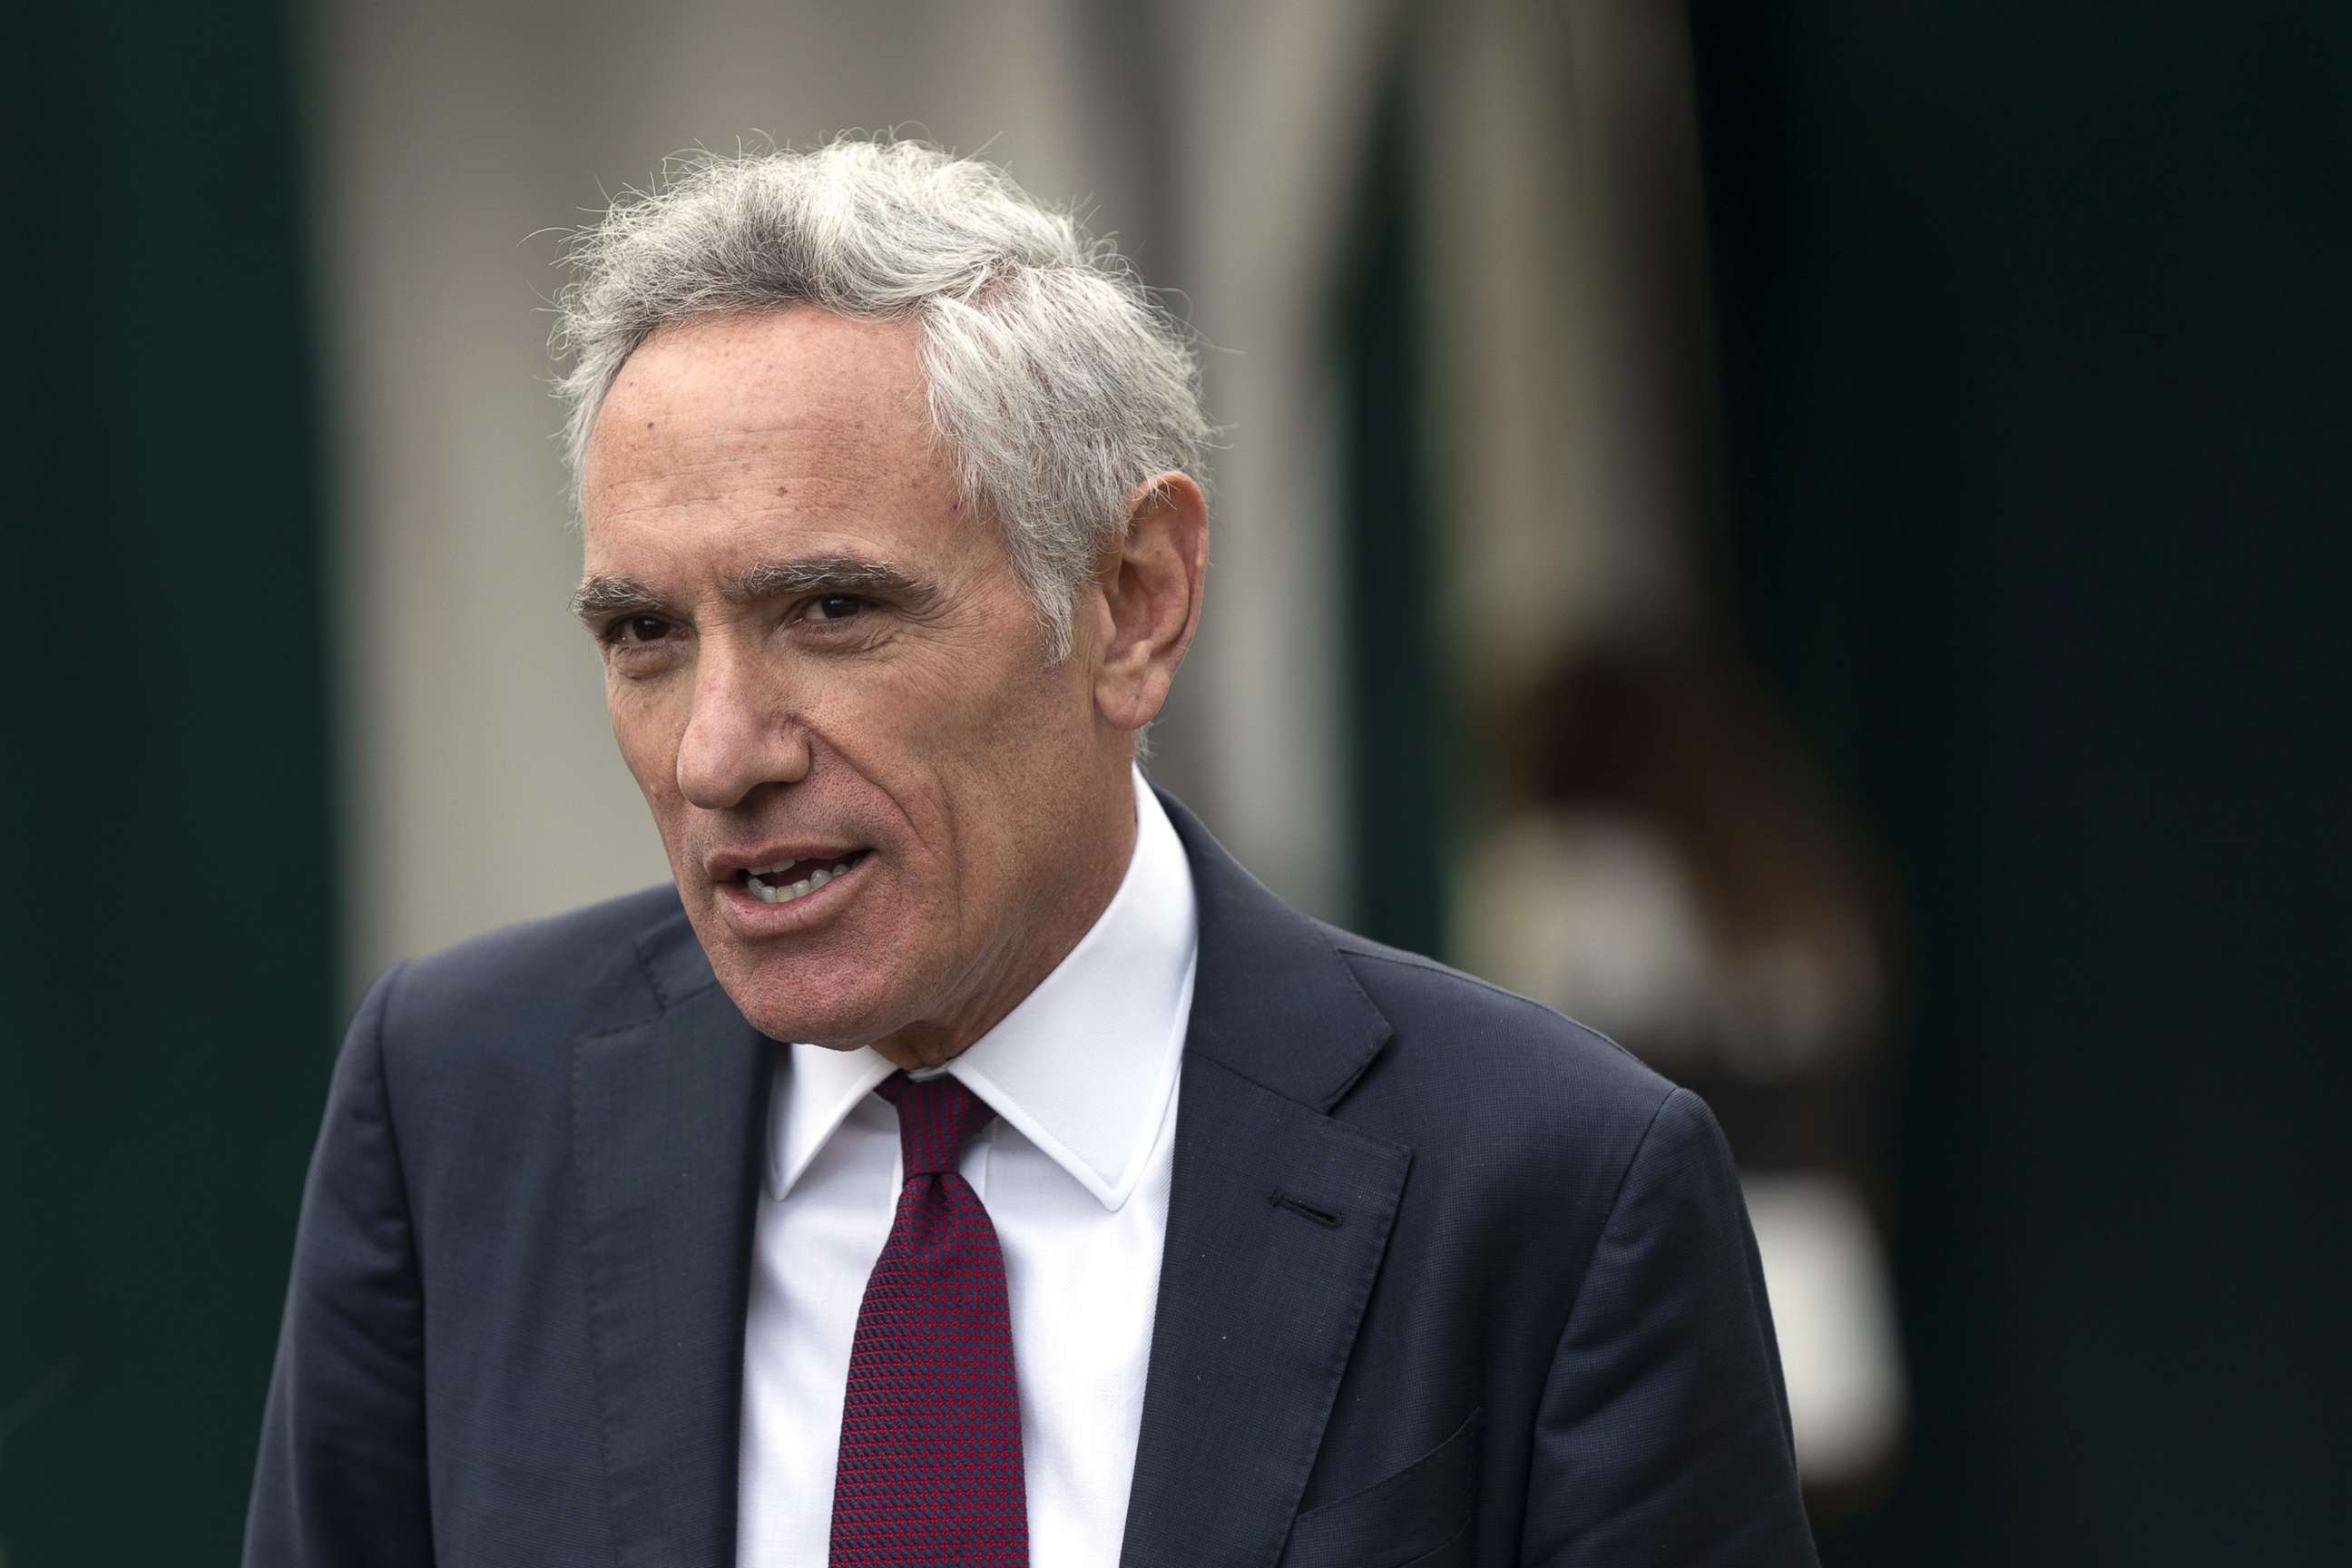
(790, 879)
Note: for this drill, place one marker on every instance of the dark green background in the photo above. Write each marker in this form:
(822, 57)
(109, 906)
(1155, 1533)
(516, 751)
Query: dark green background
(2039, 394)
(166, 993)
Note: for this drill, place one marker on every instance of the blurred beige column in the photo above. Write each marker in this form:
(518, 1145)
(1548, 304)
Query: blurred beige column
(1275, 109)
(1574, 366)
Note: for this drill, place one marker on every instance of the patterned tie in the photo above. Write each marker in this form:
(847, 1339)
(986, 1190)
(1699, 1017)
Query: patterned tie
(930, 1432)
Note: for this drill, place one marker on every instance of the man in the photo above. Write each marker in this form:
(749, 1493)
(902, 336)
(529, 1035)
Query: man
(966, 1161)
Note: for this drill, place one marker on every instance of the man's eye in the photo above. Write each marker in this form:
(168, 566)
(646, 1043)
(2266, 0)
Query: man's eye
(639, 629)
(835, 607)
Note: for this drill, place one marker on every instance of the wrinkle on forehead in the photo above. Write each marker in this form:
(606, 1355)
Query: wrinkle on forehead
(740, 439)
(820, 464)
(744, 374)
(798, 411)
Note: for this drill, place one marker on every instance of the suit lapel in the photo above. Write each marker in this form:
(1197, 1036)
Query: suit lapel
(1279, 1216)
(668, 1118)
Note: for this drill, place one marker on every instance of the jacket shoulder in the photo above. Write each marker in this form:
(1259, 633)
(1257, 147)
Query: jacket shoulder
(602, 967)
(1452, 1021)
(1492, 1089)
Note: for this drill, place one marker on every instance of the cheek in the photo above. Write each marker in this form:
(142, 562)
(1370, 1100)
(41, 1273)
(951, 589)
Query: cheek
(1010, 773)
(647, 738)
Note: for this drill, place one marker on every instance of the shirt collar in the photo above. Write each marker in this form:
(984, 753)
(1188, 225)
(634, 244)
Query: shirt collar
(1082, 1067)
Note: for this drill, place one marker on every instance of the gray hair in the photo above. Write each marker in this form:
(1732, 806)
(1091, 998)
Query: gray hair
(1055, 378)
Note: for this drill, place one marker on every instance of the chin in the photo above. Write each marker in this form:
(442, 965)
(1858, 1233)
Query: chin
(841, 1006)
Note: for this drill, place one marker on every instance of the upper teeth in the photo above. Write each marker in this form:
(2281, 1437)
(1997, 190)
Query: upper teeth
(765, 883)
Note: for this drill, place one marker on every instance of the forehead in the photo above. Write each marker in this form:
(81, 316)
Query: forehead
(729, 431)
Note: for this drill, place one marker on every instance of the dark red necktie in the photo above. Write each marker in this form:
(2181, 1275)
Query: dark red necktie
(930, 1432)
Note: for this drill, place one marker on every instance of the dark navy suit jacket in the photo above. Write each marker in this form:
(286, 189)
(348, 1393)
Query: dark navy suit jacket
(1448, 1280)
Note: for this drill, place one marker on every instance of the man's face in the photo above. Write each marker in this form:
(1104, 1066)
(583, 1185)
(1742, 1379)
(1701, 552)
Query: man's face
(887, 813)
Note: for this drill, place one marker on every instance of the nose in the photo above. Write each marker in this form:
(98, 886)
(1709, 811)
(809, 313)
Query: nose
(742, 734)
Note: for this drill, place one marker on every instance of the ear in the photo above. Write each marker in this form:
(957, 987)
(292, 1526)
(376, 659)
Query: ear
(1149, 582)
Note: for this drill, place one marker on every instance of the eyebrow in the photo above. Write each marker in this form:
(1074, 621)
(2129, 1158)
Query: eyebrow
(604, 595)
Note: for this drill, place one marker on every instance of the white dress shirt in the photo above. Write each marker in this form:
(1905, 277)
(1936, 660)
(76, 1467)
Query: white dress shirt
(1073, 1172)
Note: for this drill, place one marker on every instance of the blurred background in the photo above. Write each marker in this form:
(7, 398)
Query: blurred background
(1811, 537)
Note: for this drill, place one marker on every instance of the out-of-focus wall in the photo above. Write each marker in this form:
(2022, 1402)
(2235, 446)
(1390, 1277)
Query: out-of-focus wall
(2028, 327)
(165, 943)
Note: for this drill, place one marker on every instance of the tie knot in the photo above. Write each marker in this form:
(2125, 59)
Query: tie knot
(937, 1117)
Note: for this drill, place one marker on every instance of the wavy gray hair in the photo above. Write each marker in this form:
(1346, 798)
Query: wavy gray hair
(1055, 379)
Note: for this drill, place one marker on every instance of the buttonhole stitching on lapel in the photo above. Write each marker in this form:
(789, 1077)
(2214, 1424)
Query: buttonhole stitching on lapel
(1323, 1217)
